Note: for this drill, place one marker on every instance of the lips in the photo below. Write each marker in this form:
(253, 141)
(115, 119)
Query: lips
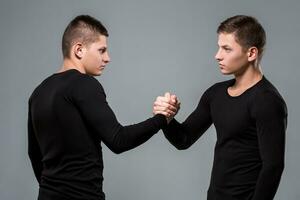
(221, 65)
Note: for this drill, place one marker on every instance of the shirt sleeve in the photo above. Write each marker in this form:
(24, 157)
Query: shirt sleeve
(270, 113)
(34, 151)
(90, 99)
(183, 135)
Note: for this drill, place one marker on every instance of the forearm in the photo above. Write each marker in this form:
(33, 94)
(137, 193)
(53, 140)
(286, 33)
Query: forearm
(34, 150)
(129, 137)
(270, 113)
(37, 167)
(183, 135)
(176, 135)
(268, 181)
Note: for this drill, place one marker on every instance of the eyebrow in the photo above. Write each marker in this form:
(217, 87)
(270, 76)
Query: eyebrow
(102, 48)
(225, 46)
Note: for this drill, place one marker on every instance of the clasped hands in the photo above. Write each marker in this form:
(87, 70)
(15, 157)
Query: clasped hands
(167, 105)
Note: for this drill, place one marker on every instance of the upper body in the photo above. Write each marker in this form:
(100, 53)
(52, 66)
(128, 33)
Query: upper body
(249, 115)
(249, 152)
(69, 116)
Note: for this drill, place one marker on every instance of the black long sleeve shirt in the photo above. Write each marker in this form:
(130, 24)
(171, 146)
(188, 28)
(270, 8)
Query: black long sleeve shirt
(68, 118)
(249, 152)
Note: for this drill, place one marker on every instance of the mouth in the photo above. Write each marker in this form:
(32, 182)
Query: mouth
(221, 66)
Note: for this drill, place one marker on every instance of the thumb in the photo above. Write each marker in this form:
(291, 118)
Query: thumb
(173, 98)
(167, 95)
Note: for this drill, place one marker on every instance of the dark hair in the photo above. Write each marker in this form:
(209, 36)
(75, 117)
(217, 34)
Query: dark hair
(247, 30)
(83, 28)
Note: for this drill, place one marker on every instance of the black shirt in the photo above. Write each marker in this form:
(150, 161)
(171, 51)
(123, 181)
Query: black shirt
(249, 152)
(68, 118)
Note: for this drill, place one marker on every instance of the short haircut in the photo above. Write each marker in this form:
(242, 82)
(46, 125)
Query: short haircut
(247, 30)
(82, 28)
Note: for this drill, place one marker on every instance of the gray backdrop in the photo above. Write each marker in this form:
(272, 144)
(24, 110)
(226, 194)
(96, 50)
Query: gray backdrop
(155, 46)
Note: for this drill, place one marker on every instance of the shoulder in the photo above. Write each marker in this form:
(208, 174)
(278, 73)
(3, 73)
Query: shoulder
(86, 85)
(220, 85)
(268, 92)
(84, 79)
(217, 87)
(86, 82)
(38, 88)
(267, 100)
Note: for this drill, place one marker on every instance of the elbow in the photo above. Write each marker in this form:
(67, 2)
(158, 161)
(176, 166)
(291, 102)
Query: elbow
(280, 167)
(181, 146)
(117, 150)
(180, 143)
(275, 167)
(32, 156)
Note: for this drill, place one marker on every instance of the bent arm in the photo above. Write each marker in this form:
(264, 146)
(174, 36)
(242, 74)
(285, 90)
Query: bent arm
(100, 119)
(271, 122)
(183, 135)
(34, 149)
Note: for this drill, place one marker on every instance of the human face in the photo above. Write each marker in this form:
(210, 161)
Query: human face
(95, 57)
(231, 56)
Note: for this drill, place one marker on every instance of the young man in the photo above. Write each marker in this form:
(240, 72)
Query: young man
(69, 117)
(249, 115)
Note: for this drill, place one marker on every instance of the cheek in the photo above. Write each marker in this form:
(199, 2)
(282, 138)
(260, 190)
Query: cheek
(97, 57)
(94, 59)
(90, 62)
(235, 60)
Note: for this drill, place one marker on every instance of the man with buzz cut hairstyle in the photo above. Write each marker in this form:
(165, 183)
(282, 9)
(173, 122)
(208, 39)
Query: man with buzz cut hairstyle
(69, 116)
(249, 115)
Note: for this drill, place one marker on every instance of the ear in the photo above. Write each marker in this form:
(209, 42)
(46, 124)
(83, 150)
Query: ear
(252, 54)
(78, 50)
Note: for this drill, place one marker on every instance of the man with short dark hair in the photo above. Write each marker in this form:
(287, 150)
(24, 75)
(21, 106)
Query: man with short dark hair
(249, 115)
(69, 116)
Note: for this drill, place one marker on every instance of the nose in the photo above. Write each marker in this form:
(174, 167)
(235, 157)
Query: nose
(106, 58)
(218, 55)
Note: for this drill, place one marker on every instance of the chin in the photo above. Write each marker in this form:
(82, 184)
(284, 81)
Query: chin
(224, 72)
(96, 73)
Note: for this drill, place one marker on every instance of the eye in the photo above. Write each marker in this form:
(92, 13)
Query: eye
(227, 49)
(102, 50)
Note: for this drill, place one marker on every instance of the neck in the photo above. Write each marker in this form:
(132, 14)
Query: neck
(71, 64)
(249, 77)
